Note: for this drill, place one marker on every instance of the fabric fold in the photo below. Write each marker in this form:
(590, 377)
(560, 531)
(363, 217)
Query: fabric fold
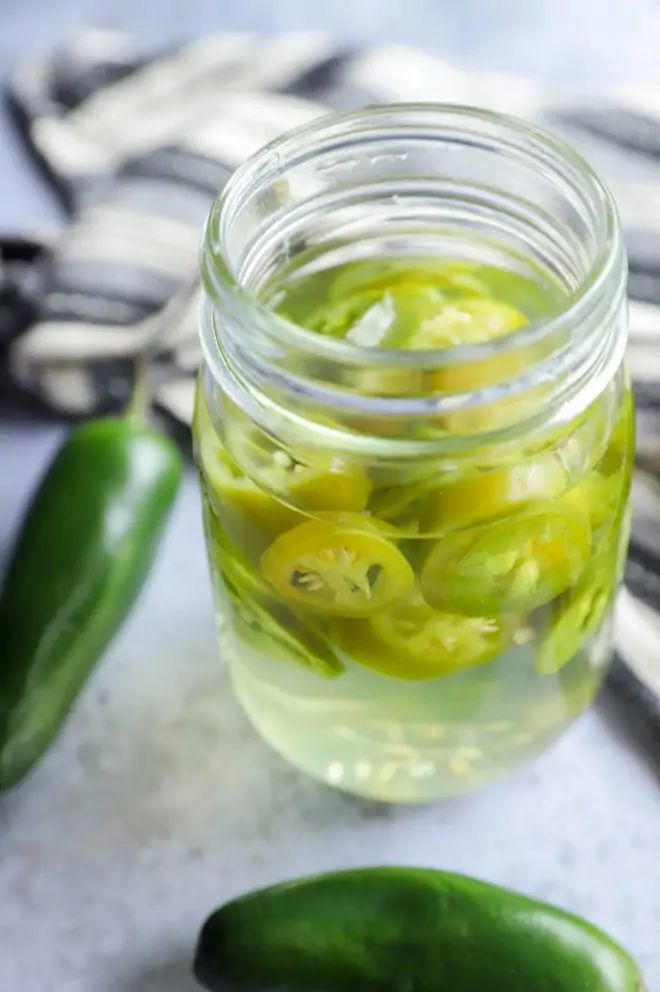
(139, 146)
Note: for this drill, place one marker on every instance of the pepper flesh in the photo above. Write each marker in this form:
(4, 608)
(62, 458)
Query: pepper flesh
(84, 550)
(414, 929)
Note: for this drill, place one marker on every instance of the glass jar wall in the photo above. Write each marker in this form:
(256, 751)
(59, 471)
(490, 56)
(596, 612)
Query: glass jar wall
(414, 433)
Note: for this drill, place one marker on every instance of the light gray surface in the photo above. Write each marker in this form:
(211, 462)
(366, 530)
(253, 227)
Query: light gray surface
(159, 801)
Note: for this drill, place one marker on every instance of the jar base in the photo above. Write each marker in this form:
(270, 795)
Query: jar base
(417, 760)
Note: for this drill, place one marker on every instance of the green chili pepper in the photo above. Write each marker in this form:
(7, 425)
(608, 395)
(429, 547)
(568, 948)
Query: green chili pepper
(404, 930)
(83, 552)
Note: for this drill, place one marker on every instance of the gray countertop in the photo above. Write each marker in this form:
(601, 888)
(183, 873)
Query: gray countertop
(159, 801)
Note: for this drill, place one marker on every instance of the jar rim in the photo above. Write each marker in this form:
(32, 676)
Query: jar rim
(296, 144)
(455, 122)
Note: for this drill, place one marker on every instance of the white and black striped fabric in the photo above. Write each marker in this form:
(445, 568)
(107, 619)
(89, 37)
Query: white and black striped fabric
(137, 147)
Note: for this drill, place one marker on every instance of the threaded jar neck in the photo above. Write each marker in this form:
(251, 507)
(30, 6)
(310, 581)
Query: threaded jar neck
(418, 180)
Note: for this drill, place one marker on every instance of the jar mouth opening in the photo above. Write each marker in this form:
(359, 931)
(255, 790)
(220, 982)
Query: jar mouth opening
(438, 176)
(448, 122)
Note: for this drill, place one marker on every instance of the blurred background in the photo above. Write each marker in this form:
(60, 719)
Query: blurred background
(594, 42)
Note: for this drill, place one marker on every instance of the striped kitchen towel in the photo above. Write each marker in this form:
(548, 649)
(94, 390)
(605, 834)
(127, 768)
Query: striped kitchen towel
(138, 147)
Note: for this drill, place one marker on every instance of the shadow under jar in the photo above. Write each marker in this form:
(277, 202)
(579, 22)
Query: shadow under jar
(414, 432)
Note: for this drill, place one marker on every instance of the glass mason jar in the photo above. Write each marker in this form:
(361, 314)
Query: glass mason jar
(415, 545)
